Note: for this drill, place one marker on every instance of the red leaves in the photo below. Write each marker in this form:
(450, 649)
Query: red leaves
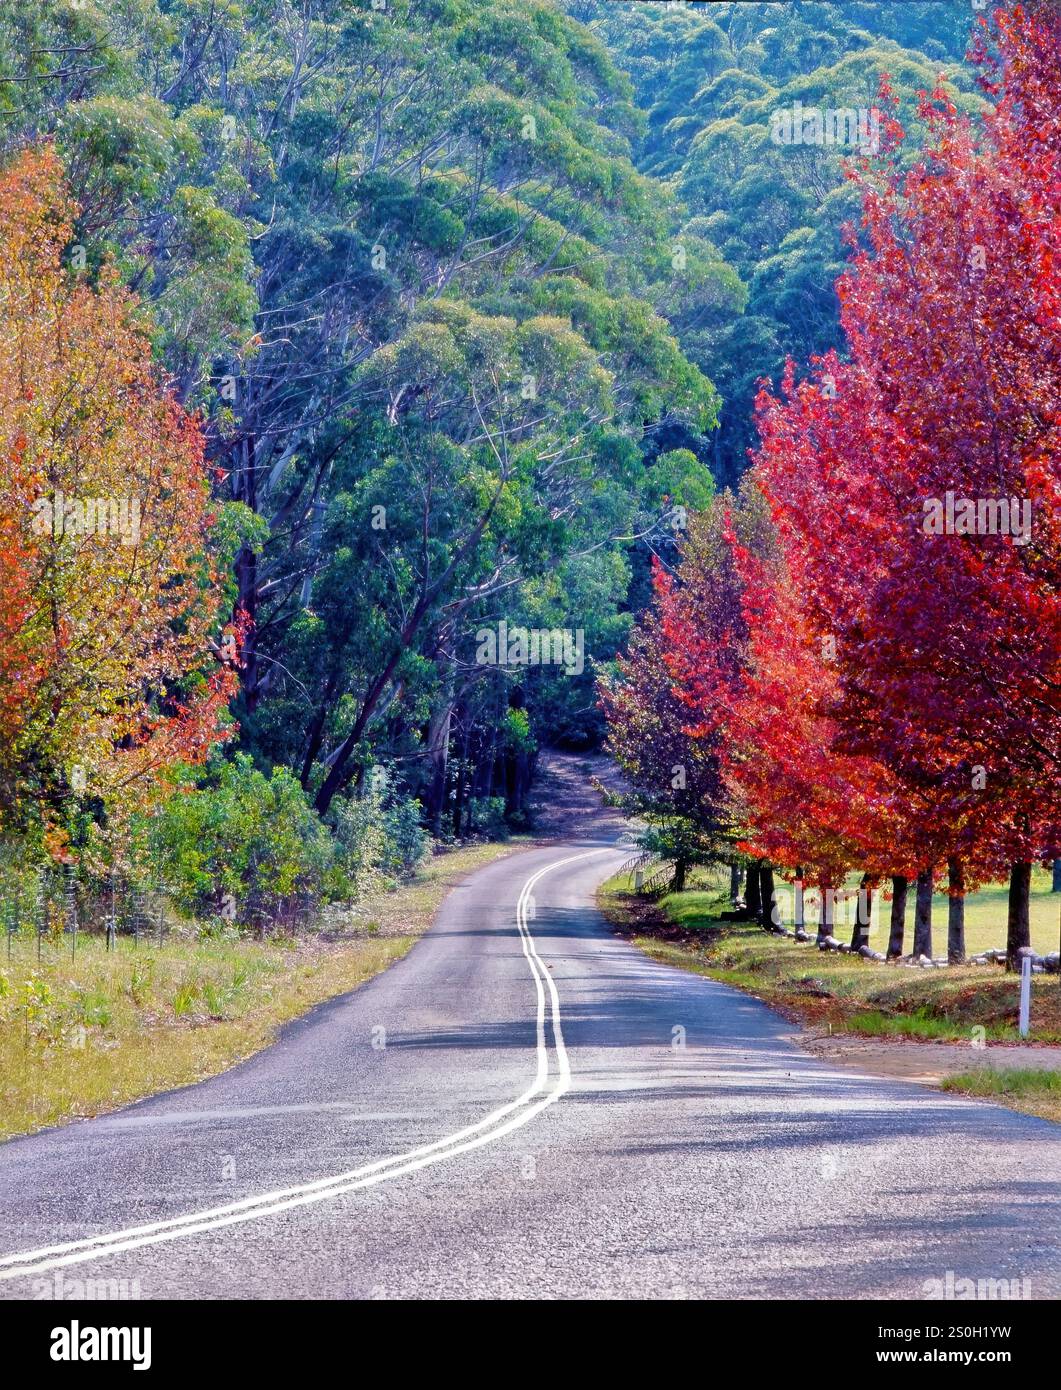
(948, 645)
(884, 680)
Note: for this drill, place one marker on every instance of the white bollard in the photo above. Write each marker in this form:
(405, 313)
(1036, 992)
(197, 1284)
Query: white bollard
(1025, 992)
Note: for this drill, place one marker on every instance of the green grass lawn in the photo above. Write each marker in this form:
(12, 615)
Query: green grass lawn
(1023, 1088)
(985, 913)
(985, 917)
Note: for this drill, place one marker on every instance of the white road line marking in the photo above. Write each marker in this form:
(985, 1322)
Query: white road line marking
(493, 1126)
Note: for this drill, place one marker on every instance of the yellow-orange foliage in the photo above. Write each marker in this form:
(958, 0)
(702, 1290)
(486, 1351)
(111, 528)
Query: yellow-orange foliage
(110, 676)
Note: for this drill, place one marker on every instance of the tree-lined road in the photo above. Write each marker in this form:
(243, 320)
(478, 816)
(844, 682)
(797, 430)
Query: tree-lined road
(527, 1106)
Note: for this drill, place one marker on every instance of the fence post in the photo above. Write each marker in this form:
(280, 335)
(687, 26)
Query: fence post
(111, 923)
(42, 911)
(799, 921)
(1024, 1019)
(71, 909)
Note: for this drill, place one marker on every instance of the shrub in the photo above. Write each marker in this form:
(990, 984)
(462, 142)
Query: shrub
(487, 817)
(377, 842)
(244, 847)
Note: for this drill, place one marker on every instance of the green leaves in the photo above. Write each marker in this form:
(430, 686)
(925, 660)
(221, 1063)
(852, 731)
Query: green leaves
(241, 841)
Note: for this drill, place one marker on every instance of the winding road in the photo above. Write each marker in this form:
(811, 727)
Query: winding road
(526, 1106)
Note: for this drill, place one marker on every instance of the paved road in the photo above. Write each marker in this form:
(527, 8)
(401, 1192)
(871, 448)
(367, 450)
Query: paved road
(539, 1113)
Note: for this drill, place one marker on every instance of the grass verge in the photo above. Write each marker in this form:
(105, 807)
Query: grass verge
(83, 1035)
(840, 993)
(1029, 1089)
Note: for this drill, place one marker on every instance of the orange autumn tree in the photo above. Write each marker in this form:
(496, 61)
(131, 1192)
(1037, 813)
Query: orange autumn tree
(801, 800)
(103, 488)
(18, 670)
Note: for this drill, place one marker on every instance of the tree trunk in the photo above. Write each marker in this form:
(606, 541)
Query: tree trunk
(752, 893)
(518, 783)
(734, 882)
(438, 762)
(900, 887)
(680, 866)
(1018, 927)
(769, 914)
(863, 913)
(458, 799)
(1057, 876)
(463, 773)
(955, 911)
(491, 776)
(315, 734)
(799, 922)
(245, 490)
(339, 774)
(825, 920)
(923, 915)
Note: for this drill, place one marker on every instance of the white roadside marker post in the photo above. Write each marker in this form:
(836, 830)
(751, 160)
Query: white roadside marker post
(1025, 991)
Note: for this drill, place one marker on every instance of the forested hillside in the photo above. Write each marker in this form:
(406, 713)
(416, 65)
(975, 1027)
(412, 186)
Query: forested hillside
(709, 78)
(399, 261)
(458, 309)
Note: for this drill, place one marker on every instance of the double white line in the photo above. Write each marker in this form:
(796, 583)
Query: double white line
(494, 1126)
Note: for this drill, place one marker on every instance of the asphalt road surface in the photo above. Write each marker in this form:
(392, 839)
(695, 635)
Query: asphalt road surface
(526, 1106)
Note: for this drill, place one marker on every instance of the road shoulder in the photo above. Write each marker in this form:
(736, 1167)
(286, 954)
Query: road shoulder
(171, 1015)
(876, 1021)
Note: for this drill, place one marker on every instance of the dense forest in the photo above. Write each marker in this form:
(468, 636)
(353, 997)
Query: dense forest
(404, 330)
(708, 79)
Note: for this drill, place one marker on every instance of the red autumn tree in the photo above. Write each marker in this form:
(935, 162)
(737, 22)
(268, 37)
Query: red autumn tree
(953, 310)
(704, 639)
(838, 528)
(19, 672)
(946, 635)
(808, 806)
(674, 776)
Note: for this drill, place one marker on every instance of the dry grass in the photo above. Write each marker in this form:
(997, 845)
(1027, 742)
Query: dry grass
(81, 1036)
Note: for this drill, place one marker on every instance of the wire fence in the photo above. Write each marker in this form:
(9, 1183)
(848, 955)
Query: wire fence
(48, 909)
